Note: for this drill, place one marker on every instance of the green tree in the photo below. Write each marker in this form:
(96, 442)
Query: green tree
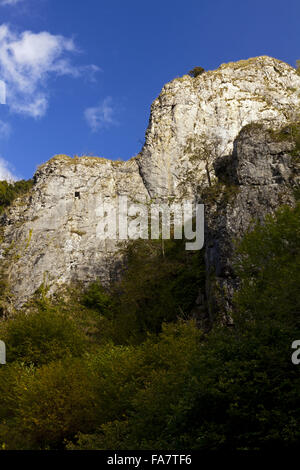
(44, 406)
(42, 335)
(157, 286)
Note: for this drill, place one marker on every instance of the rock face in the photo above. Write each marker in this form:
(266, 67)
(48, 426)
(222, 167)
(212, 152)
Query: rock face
(51, 235)
(260, 175)
(215, 105)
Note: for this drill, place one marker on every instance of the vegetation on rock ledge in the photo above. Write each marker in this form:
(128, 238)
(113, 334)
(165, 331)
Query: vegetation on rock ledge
(11, 191)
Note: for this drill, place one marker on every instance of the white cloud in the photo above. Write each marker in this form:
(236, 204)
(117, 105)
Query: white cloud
(5, 129)
(10, 2)
(5, 171)
(27, 60)
(101, 116)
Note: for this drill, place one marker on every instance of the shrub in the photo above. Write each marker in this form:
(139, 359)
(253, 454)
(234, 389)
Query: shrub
(196, 71)
(42, 336)
(47, 405)
(147, 382)
(160, 284)
(10, 191)
(97, 298)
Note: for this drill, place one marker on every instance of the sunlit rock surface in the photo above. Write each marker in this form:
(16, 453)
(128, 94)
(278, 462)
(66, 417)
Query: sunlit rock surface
(50, 235)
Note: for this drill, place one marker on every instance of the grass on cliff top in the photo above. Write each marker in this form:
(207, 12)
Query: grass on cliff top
(238, 65)
(73, 160)
(251, 61)
(87, 160)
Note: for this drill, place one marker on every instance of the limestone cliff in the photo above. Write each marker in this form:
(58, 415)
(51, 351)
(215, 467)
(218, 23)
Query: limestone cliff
(261, 174)
(50, 234)
(215, 106)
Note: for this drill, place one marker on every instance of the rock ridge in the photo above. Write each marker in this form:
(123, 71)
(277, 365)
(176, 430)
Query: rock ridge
(49, 235)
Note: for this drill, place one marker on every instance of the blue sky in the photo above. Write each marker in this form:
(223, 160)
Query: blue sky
(81, 74)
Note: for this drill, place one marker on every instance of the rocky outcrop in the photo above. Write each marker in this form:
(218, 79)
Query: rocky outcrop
(260, 175)
(214, 106)
(50, 236)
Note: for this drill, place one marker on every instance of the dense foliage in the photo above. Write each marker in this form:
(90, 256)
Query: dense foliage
(160, 285)
(127, 369)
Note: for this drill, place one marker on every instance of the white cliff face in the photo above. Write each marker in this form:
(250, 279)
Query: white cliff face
(51, 235)
(216, 104)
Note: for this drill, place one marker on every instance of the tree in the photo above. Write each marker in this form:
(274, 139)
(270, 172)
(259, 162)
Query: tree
(156, 287)
(196, 71)
(41, 336)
